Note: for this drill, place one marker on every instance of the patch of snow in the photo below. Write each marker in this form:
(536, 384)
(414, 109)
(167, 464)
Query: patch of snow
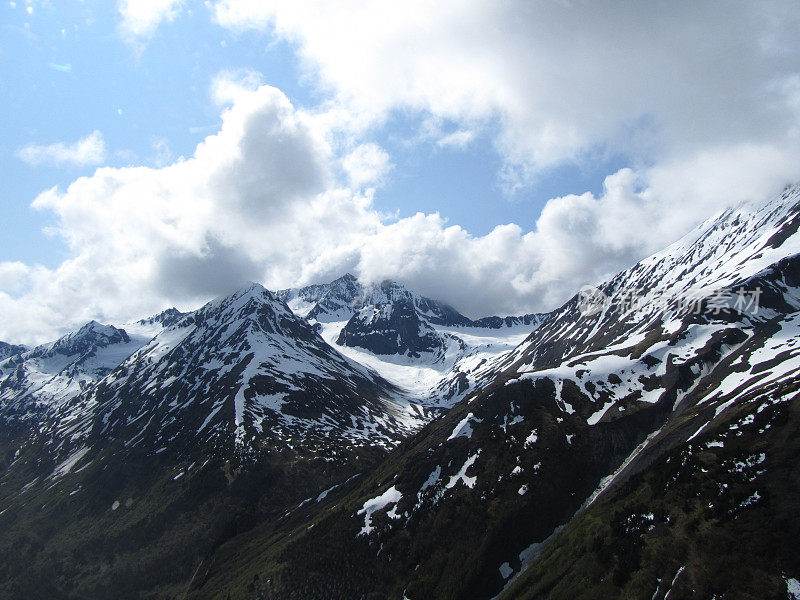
(464, 428)
(506, 570)
(66, 466)
(433, 478)
(595, 418)
(793, 588)
(462, 474)
(390, 496)
(531, 439)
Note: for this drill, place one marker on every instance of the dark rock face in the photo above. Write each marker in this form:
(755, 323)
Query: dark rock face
(167, 318)
(392, 328)
(8, 350)
(531, 319)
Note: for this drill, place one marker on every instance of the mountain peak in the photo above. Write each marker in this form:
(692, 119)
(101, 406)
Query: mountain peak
(7, 350)
(252, 302)
(166, 317)
(91, 335)
(251, 291)
(94, 326)
(252, 288)
(346, 278)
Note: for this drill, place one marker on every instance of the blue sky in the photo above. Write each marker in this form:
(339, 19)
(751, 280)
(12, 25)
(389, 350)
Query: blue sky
(496, 156)
(68, 72)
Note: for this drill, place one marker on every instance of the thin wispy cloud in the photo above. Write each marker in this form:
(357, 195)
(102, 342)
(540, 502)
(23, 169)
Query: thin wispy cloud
(141, 18)
(87, 151)
(458, 139)
(61, 68)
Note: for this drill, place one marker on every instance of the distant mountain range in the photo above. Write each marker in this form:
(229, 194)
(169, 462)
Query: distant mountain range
(354, 440)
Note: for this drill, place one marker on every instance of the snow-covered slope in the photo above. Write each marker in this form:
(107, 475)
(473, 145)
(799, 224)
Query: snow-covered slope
(152, 326)
(733, 275)
(50, 374)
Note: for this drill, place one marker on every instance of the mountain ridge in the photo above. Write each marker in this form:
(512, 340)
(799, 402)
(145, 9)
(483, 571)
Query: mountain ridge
(584, 404)
(243, 452)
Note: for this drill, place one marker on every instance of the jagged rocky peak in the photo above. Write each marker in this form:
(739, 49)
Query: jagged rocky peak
(90, 336)
(166, 318)
(433, 311)
(344, 297)
(391, 328)
(251, 303)
(334, 301)
(8, 350)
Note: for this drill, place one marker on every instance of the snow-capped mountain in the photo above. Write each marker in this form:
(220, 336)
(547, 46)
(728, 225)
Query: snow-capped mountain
(658, 408)
(7, 350)
(344, 297)
(46, 376)
(245, 368)
(426, 348)
(239, 401)
(241, 371)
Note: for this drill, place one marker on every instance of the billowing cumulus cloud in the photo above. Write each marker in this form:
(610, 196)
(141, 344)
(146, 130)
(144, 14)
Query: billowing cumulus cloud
(254, 201)
(701, 99)
(259, 201)
(13, 276)
(367, 164)
(654, 81)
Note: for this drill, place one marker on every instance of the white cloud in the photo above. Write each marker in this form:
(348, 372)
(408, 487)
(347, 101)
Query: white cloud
(652, 81)
(89, 150)
(141, 18)
(701, 99)
(367, 165)
(13, 276)
(255, 201)
(457, 139)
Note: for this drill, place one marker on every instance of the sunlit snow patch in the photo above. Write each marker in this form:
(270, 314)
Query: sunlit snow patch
(464, 428)
(462, 475)
(390, 496)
